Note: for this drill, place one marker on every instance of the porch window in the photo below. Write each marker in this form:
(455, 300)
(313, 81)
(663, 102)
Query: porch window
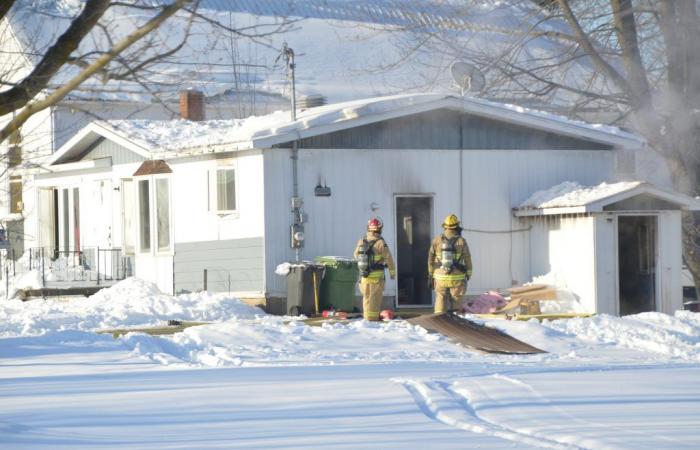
(163, 214)
(144, 216)
(16, 204)
(222, 190)
(129, 207)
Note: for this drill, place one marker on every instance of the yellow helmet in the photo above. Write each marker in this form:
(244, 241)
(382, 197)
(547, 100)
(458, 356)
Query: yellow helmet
(451, 222)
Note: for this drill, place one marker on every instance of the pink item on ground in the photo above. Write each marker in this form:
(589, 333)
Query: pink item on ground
(484, 304)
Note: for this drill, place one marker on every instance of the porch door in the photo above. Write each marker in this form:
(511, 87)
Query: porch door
(69, 220)
(102, 222)
(637, 262)
(48, 219)
(413, 227)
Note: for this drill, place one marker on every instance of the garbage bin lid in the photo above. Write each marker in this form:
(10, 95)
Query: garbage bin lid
(335, 260)
(286, 267)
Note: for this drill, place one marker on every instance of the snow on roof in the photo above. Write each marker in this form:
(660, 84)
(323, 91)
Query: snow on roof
(571, 193)
(177, 135)
(173, 135)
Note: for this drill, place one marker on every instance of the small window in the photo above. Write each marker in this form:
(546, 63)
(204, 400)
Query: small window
(163, 214)
(16, 203)
(222, 190)
(128, 215)
(144, 216)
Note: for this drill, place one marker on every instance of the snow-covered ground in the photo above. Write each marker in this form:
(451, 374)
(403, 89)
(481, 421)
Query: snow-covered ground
(249, 380)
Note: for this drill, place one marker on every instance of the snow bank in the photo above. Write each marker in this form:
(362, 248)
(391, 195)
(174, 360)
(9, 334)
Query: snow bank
(273, 340)
(566, 301)
(658, 334)
(129, 303)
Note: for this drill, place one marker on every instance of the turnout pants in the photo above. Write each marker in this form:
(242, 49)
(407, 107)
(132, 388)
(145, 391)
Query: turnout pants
(372, 292)
(448, 295)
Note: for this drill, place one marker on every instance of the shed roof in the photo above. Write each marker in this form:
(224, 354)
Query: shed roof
(173, 138)
(572, 198)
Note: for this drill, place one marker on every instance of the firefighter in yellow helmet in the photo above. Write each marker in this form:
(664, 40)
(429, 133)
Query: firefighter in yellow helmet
(449, 266)
(373, 256)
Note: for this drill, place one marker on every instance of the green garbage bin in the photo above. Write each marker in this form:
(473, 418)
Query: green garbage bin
(338, 284)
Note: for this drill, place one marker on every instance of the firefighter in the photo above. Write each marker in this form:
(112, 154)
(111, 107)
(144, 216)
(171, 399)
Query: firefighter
(373, 256)
(449, 266)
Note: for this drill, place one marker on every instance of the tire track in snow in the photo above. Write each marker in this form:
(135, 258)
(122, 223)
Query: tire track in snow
(537, 398)
(438, 401)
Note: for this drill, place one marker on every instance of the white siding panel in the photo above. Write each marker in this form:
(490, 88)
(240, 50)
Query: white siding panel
(493, 183)
(193, 222)
(606, 267)
(669, 265)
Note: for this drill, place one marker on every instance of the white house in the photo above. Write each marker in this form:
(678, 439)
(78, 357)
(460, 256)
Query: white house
(241, 78)
(183, 196)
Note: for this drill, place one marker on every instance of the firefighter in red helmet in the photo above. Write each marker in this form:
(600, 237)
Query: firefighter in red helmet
(373, 256)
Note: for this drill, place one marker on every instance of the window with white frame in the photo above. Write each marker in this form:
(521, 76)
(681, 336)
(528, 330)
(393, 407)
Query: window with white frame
(144, 215)
(222, 190)
(128, 215)
(154, 215)
(163, 214)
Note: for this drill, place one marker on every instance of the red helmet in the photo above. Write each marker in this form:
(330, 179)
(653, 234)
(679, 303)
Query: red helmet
(374, 224)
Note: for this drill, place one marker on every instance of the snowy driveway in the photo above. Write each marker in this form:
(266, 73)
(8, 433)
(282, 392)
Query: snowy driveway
(64, 395)
(249, 380)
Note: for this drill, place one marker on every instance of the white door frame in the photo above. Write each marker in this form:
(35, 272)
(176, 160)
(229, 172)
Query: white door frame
(431, 220)
(657, 280)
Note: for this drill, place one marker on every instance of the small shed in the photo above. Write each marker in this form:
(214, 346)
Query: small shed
(617, 246)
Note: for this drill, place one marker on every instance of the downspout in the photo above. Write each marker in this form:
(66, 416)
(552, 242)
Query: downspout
(297, 228)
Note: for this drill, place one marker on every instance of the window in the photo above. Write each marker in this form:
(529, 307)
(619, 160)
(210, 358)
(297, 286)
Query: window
(144, 216)
(129, 208)
(163, 213)
(16, 204)
(222, 190)
(154, 215)
(65, 220)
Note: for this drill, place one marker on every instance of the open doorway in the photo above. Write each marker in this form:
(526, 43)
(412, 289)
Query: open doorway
(413, 227)
(637, 253)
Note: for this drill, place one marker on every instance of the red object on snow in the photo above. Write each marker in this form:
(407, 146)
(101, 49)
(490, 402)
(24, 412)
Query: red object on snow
(386, 314)
(333, 313)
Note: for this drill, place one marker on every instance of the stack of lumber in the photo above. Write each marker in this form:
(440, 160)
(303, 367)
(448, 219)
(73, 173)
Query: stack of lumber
(526, 299)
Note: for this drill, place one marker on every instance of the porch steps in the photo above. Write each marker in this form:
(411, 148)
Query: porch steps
(53, 292)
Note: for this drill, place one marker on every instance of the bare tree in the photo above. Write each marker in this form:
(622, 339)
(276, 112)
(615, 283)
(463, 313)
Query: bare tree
(635, 62)
(109, 46)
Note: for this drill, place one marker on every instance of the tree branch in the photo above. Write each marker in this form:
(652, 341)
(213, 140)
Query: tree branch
(5, 6)
(54, 59)
(99, 63)
(590, 49)
(631, 57)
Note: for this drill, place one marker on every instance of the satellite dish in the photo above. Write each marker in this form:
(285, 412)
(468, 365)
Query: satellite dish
(467, 77)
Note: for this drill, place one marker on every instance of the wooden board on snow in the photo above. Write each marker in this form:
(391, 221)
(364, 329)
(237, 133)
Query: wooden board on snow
(473, 335)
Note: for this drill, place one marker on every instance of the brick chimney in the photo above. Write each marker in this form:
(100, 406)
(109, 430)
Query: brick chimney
(192, 105)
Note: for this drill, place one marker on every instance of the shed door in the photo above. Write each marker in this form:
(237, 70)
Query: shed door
(413, 219)
(637, 261)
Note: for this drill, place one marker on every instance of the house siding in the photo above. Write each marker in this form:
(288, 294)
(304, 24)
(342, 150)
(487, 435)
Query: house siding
(446, 130)
(364, 184)
(107, 149)
(232, 265)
